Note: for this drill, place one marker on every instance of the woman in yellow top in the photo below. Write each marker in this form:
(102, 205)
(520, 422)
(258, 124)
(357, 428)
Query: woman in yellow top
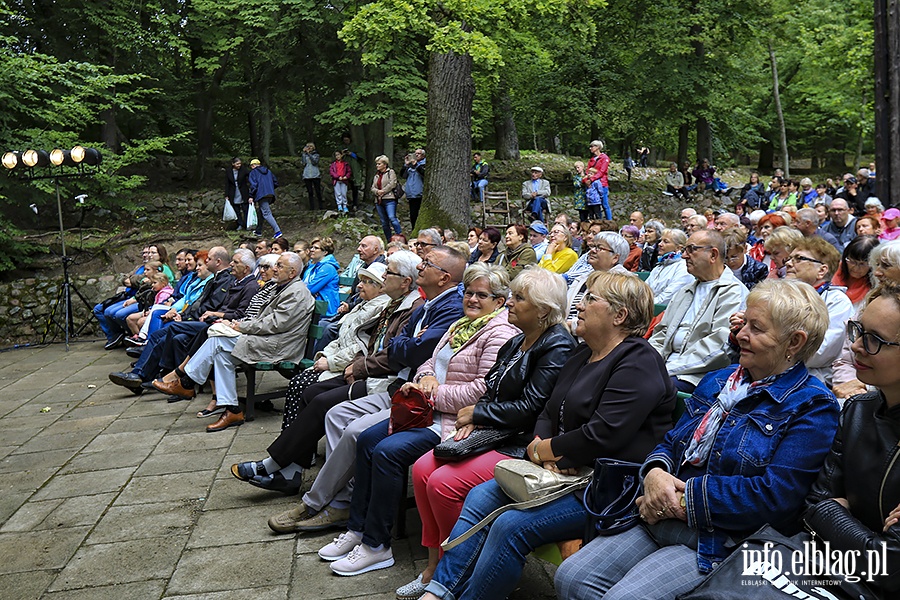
(559, 256)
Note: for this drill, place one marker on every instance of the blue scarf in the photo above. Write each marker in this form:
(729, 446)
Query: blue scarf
(668, 258)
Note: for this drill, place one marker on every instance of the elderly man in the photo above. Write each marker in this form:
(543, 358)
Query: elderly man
(726, 220)
(865, 189)
(686, 214)
(438, 277)
(693, 334)
(427, 239)
(225, 297)
(637, 219)
(842, 224)
(537, 237)
(277, 334)
(695, 223)
(535, 191)
(807, 223)
(675, 182)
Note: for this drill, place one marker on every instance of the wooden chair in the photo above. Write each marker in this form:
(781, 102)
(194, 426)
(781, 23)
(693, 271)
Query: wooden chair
(495, 204)
(286, 369)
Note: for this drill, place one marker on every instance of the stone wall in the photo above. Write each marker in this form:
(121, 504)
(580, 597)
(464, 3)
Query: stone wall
(26, 305)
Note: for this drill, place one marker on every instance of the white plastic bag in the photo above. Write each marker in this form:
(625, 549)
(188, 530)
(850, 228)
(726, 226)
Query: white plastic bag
(252, 220)
(228, 213)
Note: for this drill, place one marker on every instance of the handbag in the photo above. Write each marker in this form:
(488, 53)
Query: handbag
(610, 497)
(762, 567)
(528, 485)
(252, 219)
(410, 411)
(477, 442)
(228, 213)
(222, 330)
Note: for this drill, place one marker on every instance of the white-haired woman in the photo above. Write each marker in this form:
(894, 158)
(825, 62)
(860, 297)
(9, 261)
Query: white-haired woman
(670, 273)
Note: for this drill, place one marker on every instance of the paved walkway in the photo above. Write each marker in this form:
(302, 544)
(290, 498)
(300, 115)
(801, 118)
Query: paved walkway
(109, 495)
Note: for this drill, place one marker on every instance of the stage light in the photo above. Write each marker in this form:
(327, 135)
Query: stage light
(89, 156)
(77, 154)
(36, 158)
(11, 160)
(57, 156)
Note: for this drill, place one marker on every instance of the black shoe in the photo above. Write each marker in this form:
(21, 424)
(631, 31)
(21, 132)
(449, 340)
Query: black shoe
(134, 352)
(130, 380)
(173, 399)
(115, 342)
(276, 482)
(147, 386)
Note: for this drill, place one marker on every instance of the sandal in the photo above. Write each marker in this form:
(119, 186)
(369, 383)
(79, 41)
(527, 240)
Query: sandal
(209, 412)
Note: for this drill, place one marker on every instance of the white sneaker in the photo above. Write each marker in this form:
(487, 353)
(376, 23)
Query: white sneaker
(363, 559)
(340, 546)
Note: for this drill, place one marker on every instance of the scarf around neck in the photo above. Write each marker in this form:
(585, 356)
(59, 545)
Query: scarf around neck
(463, 330)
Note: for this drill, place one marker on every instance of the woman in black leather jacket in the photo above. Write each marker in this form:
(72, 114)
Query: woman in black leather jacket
(518, 386)
(855, 504)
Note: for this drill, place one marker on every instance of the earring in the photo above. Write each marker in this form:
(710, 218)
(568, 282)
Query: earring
(788, 357)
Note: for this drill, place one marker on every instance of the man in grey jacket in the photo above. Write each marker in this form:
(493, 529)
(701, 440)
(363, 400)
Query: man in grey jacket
(535, 191)
(277, 334)
(693, 334)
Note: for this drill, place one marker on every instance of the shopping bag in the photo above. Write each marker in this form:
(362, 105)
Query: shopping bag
(252, 221)
(228, 213)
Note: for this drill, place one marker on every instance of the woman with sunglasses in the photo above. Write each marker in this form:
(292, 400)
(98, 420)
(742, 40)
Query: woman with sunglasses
(855, 503)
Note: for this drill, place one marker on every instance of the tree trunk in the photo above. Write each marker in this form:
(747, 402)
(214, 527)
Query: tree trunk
(253, 132)
(704, 140)
(506, 139)
(389, 144)
(265, 124)
(449, 141)
(776, 96)
(766, 157)
(887, 101)
(684, 131)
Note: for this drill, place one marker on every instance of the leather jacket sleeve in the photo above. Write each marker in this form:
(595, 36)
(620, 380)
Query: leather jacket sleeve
(533, 379)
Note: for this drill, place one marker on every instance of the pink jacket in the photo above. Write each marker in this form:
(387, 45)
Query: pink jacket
(467, 368)
(163, 294)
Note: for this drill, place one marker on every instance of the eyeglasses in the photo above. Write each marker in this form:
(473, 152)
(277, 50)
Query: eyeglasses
(799, 258)
(852, 262)
(264, 267)
(418, 244)
(597, 248)
(869, 340)
(480, 295)
(589, 298)
(427, 263)
(395, 274)
(315, 247)
(691, 248)
(371, 281)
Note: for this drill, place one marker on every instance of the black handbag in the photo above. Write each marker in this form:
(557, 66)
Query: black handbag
(762, 568)
(477, 442)
(610, 497)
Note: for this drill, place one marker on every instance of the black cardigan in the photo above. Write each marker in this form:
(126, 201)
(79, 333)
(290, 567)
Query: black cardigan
(618, 407)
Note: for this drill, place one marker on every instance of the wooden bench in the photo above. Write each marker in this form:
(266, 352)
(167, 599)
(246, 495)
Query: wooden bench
(346, 287)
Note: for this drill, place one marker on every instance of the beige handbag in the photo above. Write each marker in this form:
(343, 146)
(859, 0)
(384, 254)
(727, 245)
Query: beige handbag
(528, 485)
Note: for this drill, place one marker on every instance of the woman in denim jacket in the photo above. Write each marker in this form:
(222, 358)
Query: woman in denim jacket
(745, 453)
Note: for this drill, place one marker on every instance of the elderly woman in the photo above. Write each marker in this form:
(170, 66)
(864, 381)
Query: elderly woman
(746, 268)
(670, 274)
(745, 453)
(519, 253)
(778, 247)
(855, 503)
(559, 256)
(868, 225)
(518, 386)
(855, 271)
(384, 187)
(653, 231)
(322, 274)
(472, 238)
(874, 208)
(486, 250)
(453, 378)
(353, 338)
(764, 228)
(613, 399)
(631, 235)
(606, 252)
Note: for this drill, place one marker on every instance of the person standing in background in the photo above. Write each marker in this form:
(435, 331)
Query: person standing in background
(341, 175)
(356, 161)
(262, 191)
(237, 190)
(414, 172)
(311, 175)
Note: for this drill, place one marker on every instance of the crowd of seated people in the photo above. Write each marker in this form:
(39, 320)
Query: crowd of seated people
(768, 323)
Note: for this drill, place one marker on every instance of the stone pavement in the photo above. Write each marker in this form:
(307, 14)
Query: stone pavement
(110, 495)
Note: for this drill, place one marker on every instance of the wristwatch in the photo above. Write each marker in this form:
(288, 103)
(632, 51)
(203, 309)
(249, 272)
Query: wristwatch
(534, 453)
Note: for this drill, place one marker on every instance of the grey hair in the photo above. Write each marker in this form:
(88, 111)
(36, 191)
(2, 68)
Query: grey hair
(433, 236)
(793, 306)
(808, 214)
(497, 277)
(406, 263)
(616, 243)
(294, 261)
(756, 215)
(733, 219)
(268, 260)
(890, 251)
(873, 201)
(655, 225)
(246, 257)
(546, 290)
(678, 237)
(597, 143)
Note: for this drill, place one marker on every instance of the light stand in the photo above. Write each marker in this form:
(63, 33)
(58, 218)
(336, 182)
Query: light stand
(77, 157)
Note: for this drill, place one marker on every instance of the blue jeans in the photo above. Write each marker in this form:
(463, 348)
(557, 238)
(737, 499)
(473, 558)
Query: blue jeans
(478, 189)
(266, 213)
(112, 318)
(489, 564)
(536, 206)
(381, 462)
(605, 199)
(387, 211)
